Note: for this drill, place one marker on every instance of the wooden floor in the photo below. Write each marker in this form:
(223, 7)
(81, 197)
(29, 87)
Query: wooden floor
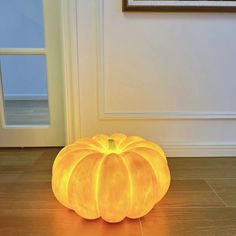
(201, 200)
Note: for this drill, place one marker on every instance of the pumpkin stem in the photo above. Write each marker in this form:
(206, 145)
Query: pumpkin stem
(111, 144)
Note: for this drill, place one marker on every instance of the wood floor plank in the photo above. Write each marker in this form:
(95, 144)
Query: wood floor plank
(189, 222)
(28, 195)
(190, 199)
(189, 185)
(35, 176)
(200, 200)
(202, 168)
(19, 158)
(45, 161)
(9, 176)
(226, 189)
(61, 222)
(190, 193)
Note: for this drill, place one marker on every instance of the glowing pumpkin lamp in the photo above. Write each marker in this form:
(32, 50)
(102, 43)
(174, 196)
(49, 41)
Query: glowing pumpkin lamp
(110, 177)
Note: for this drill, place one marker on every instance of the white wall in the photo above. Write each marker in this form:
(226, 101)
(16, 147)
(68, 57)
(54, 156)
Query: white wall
(169, 77)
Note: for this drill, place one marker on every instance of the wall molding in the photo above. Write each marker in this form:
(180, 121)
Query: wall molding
(167, 115)
(199, 150)
(104, 114)
(10, 97)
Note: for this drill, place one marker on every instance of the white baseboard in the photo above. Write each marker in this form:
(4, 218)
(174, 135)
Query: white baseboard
(199, 150)
(10, 97)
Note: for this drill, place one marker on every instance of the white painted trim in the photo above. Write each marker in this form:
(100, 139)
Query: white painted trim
(2, 116)
(70, 69)
(11, 97)
(103, 114)
(199, 150)
(100, 59)
(168, 115)
(181, 3)
(52, 134)
(21, 51)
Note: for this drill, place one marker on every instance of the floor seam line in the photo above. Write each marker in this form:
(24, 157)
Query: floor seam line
(141, 227)
(221, 199)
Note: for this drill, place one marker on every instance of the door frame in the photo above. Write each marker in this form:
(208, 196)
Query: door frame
(70, 62)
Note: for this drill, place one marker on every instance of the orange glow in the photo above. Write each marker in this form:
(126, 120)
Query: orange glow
(110, 177)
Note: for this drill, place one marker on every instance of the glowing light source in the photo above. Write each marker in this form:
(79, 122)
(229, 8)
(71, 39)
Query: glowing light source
(110, 177)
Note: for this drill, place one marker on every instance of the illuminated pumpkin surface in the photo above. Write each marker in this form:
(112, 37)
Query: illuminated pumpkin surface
(110, 177)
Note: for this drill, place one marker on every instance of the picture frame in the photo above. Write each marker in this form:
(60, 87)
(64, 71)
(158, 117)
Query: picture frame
(180, 5)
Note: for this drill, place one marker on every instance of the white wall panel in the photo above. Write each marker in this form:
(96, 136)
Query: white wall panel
(169, 77)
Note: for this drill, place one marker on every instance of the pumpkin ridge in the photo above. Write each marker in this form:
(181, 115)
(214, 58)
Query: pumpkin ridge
(97, 138)
(97, 183)
(131, 191)
(63, 198)
(91, 143)
(150, 163)
(62, 152)
(156, 181)
(133, 143)
(150, 148)
(74, 167)
(113, 201)
(61, 156)
(130, 142)
(143, 143)
(119, 138)
(152, 168)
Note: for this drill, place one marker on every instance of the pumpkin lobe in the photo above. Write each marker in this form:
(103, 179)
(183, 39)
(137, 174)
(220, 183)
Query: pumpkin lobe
(114, 189)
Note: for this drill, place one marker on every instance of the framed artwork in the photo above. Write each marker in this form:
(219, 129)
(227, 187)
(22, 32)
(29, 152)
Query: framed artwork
(180, 5)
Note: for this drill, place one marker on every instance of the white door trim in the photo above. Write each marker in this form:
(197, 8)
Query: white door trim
(51, 134)
(70, 69)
